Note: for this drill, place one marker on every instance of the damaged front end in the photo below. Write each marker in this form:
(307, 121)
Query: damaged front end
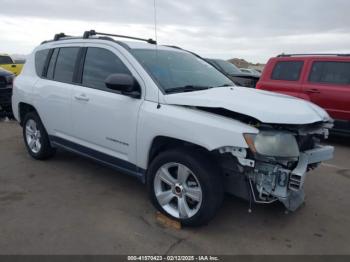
(276, 163)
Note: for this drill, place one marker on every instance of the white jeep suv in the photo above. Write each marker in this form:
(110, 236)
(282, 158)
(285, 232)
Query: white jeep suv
(167, 117)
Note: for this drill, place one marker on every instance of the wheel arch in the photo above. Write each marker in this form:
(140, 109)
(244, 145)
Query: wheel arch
(164, 143)
(23, 109)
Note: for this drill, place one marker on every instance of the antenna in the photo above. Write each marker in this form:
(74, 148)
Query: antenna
(155, 20)
(156, 37)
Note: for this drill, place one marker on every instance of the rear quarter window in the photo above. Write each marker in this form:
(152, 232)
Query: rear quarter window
(287, 70)
(40, 59)
(330, 72)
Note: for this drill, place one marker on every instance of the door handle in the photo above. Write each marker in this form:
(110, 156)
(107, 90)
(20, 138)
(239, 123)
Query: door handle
(82, 97)
(313, 91)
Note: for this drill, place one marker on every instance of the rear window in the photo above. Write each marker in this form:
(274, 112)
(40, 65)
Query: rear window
(5, 60)
(330, 72)
(40, 59)
(65, 64)
(287, 70)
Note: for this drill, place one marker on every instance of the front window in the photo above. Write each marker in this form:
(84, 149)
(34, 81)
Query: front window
(287, 70)
(173, 70)
(99, 64)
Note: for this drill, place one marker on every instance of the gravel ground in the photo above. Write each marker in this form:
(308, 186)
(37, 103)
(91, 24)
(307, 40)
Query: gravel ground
(70, 205)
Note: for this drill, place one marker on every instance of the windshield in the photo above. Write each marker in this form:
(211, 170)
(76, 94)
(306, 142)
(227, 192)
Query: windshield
(227, 67)
(5, 60)
(176, 69)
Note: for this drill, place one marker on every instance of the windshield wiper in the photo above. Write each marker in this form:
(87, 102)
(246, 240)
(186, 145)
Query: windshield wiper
(188, 88)
(225, 85)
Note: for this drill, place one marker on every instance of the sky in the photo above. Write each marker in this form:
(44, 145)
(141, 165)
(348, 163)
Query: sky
(251, 29)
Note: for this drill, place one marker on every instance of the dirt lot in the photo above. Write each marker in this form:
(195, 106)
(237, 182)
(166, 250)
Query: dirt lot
(70, 205)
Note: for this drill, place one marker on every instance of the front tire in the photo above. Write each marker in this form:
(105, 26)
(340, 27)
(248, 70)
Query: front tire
(186, 185)
(36, 138)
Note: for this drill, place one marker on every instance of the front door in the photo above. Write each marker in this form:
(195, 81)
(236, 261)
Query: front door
(104, 121)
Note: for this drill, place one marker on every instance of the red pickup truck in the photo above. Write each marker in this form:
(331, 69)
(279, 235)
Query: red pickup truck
(322, 79)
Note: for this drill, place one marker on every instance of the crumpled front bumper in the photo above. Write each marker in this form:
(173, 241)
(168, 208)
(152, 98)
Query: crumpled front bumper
(297, 176)
(313, 156)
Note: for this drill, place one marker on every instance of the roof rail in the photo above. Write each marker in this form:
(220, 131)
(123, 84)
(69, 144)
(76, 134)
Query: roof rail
(290, 55)
(87, 34)
(59, 36)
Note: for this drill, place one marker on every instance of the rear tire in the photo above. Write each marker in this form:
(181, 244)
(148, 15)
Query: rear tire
(186, 185)
(36, 138)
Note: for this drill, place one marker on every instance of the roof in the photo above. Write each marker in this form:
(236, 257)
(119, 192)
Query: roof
(88, 36)
(309, 57)
(126, 44)
(313, 55)
(142, 45)
(92, 35)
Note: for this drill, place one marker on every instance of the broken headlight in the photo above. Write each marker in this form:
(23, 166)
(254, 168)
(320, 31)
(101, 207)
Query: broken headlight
(274, 144)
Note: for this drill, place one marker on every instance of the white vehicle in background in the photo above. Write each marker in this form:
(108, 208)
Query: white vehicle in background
(168, 117)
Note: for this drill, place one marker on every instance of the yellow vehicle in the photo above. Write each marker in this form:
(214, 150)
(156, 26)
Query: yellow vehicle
(7, 63)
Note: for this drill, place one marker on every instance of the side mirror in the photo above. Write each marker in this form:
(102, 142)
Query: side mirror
(124, 83)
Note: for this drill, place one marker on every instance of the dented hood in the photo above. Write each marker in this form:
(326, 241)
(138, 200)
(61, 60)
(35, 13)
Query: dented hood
(267, 107)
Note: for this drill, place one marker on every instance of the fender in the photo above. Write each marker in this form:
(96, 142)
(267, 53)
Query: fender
(188, 124)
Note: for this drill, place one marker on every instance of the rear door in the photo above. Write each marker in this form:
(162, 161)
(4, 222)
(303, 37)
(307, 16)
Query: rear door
(283, 76)
(328, 85)
(54, 89)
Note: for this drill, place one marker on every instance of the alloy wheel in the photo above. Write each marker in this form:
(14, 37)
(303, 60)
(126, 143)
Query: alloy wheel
(178, 190)
(33, 136)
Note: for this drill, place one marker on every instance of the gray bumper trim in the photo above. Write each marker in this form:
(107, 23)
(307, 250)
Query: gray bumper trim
(319, 154)
(312, 156)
